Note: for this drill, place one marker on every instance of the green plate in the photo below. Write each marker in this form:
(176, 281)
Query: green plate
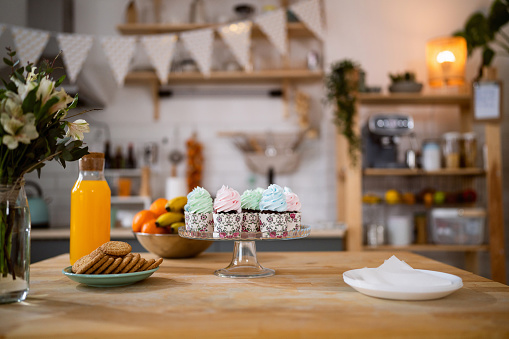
(108, 280)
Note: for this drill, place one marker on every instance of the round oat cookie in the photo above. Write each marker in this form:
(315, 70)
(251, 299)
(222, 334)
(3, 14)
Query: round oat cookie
(136, 267)
(116, 248)
(156, 264)
(114, 265)
(125, 260)
(147, 265)
(134, 261)
(105, 265)
(89, 262)
(97, 265)
(80, 262)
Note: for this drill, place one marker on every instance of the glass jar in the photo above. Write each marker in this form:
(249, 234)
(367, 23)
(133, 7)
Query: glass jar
(14, 242)
(468, 149)
(430, 155)
(451, 150)
(90, 207)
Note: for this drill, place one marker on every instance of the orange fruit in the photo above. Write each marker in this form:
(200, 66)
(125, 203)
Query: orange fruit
(142, 217)
(158, 206)
(150, 227)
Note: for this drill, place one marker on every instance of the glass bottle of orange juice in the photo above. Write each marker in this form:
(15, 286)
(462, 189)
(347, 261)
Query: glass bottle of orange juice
(90, 207)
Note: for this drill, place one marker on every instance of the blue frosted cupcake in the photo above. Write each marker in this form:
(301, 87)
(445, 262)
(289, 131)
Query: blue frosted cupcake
(273, 212)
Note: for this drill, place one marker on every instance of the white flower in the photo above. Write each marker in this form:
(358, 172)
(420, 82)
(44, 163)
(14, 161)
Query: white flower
(11, 105)
(45, 90)
(19, 129)
(77, 128)
(63, 101)
(24, 89)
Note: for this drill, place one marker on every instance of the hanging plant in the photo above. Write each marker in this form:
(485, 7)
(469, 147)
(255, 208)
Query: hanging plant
(342, 83)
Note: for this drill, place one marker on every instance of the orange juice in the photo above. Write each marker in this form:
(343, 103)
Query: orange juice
(90, 213)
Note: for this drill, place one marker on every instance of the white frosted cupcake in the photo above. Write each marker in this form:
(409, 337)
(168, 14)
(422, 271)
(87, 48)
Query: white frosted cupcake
(198, 211)
(273, 215)
(227, 213)
(293, 207)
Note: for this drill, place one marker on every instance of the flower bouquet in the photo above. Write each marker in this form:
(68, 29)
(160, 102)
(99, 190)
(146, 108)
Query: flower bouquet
(34, 128)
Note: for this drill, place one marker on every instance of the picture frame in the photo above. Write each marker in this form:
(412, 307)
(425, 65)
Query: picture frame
(487, 101)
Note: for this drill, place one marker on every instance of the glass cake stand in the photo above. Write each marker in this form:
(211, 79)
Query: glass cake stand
(244, 262)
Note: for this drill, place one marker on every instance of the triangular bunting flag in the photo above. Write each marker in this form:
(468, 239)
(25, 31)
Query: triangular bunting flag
(309, 13)
(199, 44)
(29, 44)
(75, 49)
(119, 51)
(273, 24)
(160, 49)
(238, 37)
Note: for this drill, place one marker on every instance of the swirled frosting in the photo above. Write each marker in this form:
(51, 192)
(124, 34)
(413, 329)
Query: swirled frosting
(227, 199)
(273, 199)
(292, 201)
(199, 201)
(250, 199)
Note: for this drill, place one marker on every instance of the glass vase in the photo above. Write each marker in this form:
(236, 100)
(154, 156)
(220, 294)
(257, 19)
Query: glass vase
(14, 242)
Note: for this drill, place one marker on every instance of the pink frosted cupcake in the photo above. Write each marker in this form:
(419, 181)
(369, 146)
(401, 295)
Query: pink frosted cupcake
(293, 207)
(227, 213)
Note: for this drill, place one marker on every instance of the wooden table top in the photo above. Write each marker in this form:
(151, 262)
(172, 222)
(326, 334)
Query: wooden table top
(306, 298)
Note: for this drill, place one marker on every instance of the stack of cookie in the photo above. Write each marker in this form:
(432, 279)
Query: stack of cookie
(113, 257)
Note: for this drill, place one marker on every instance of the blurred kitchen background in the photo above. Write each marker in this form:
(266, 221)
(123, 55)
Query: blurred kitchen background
(384, 37)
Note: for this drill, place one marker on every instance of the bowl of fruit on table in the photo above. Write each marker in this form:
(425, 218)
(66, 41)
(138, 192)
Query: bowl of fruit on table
(156, 229)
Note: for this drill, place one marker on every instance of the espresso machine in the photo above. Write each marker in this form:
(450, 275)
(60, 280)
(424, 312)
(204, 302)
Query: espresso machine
(380, 140)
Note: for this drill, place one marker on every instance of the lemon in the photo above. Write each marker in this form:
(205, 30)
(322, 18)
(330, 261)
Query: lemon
(392, 197)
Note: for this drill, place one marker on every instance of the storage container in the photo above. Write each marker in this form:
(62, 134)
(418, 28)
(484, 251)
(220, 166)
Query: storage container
(458, 226)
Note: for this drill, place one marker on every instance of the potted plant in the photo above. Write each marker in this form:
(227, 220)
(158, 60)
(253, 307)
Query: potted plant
(342, 84)
(404, 82)
(486, 32)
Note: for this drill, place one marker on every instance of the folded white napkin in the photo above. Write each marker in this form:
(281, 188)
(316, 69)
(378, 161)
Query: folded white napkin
(395, 272)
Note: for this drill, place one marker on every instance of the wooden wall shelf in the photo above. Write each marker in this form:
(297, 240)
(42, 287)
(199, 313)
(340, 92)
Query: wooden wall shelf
(294, 29)
(420, 172)
(415, 98)
(232, 76)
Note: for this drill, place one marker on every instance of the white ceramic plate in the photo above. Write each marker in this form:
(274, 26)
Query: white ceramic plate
(404, 293)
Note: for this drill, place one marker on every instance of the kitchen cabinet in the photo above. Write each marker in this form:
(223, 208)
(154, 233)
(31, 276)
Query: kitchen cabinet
(285, 76)
(350, 181)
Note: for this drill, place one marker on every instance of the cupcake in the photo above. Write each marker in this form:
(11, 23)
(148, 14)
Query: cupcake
(250, 203)
(198, 211)
(273, 215)
(293, 207)
(227, 213)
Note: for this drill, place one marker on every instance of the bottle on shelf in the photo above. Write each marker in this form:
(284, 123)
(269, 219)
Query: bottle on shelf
(118, 160)
(130, 161)
(90, 207)
(107, 155)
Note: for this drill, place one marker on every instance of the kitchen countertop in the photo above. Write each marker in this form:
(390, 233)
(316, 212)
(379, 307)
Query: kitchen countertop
(126, 233)
(306, 298)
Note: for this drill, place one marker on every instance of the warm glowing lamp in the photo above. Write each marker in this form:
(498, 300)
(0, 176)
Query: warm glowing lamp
(446, 59)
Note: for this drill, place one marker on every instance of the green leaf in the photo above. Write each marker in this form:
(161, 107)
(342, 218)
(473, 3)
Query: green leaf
(59, 81)
(8, 62)
(477, 28)
(74, 103)
(29, 102)
(487, 56)
(44, 109)
(499, 15)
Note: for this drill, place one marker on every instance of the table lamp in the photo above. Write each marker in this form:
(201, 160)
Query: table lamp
(445, 58)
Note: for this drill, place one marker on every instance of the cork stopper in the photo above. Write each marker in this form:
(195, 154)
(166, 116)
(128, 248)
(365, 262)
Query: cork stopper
(93, 161)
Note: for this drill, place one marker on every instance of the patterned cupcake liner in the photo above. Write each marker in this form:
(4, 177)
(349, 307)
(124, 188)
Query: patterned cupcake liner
(293, 220)
(227, 225)
(199, 222)
(273, 225)
(250, 222)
